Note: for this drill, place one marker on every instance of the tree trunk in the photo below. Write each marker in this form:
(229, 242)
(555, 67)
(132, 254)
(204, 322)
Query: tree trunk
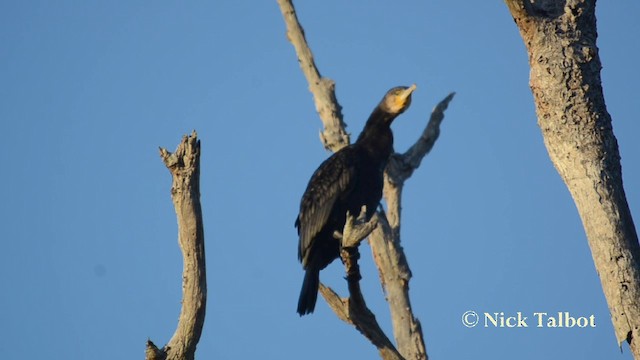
(565, 80)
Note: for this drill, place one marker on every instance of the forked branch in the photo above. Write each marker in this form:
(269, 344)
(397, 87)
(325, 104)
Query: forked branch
(407, 331)
(388, 253)
(184, 165)
(353, 310)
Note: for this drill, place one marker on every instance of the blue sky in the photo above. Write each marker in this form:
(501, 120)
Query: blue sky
(89, 90)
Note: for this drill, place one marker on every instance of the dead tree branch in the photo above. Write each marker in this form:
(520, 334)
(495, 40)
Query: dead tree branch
(404, 165)
(385, 240)
(560, 36)
(184, 166)
(411, 346)
(334, 136)
(354, 310)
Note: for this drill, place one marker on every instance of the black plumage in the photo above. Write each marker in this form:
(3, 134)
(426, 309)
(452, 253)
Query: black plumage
(349, 179)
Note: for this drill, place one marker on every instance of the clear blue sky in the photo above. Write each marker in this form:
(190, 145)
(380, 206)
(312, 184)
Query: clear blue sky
(90, 266)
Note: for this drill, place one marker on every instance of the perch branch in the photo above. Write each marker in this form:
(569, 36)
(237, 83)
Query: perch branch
(385, 240)
(414, 155)
(184, 165)
(333, 137)
(356, 230)
(354, 310)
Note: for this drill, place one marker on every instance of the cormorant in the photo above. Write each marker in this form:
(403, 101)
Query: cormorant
(349, 179)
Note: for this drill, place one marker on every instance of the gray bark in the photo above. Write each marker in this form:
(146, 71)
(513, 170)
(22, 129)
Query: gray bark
(394, 270)
(334, 136)
(565, 80)
(388, 253)
(184, 166)
(353, 310)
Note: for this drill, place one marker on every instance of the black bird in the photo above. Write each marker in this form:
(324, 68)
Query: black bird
(349, 179)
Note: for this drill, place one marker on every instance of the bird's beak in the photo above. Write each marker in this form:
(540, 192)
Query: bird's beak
(408, 92)
(403, 99)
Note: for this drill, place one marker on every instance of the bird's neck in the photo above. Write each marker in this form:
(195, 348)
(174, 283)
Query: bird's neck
(376, 135)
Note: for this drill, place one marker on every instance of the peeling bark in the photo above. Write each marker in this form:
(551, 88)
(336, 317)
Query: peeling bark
(565, 80)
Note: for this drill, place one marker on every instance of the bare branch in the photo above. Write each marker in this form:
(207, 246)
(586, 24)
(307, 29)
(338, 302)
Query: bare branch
(365, 320)
(404, 165)
(354, 310)
(339, 305)
(153, 353)
(333, 137)
(356, 230)
(184, 166)
(395, 274)
(387, 252)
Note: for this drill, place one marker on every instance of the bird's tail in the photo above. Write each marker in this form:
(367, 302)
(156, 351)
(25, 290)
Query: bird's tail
(309, 292)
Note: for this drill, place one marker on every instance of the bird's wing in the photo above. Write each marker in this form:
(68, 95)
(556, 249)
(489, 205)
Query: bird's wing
(332, 180)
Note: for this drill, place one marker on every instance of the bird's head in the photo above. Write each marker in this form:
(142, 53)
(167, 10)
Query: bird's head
(397, 100)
